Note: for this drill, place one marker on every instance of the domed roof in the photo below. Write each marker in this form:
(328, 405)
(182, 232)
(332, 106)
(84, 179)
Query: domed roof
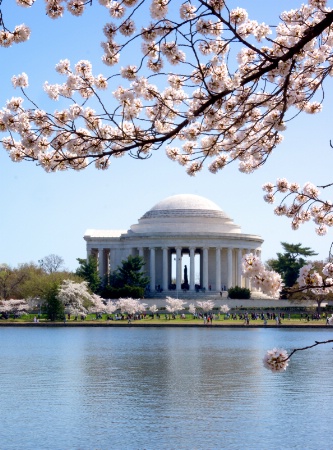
(185, 214)
(185, 205)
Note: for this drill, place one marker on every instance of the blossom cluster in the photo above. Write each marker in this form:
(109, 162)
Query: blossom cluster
(305, 204)
(153, 309)
(21, 33)
(310, 279)
(214, 110)
(205, 306)
(268, 281)
(131, 306)
(173, 305)
(276, 360)
(76, 297)
(224, 309)
(13, 306)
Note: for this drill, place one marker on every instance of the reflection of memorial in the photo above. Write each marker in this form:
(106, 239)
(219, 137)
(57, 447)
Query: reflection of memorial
(178, 226)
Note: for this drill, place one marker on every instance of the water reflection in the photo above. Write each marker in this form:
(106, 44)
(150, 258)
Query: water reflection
(162, 388)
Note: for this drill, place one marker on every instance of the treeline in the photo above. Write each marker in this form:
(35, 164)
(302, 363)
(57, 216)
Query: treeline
(33, 280)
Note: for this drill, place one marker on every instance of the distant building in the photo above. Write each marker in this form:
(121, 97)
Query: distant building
(180, 228)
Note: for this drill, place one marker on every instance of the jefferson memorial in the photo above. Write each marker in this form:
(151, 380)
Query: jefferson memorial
(186, 241)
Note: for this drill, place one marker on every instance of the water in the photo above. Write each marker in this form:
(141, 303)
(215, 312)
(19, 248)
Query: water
(162, 388)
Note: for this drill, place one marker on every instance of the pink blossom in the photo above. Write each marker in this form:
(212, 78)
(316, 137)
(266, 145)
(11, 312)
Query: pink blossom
(276, 360)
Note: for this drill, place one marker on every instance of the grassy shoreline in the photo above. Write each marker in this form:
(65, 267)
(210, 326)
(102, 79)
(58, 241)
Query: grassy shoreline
(148, 322)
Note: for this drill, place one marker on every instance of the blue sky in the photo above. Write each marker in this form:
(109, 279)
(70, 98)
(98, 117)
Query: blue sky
(48, 213)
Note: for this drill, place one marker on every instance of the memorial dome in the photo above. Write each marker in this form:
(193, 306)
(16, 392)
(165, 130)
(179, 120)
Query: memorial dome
(185, 213)
(185, 205)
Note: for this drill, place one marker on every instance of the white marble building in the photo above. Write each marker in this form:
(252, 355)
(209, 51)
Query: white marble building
(182, 230)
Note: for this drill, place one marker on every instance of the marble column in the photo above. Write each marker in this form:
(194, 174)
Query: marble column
(165, 284)
(152, 269)
(218, 269)
(229, 268)
(89, 251)
(192, 269)
(239, 267)
(178, 268)
(205, 268)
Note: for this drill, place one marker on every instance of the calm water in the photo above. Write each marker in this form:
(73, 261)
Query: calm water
(162, 388)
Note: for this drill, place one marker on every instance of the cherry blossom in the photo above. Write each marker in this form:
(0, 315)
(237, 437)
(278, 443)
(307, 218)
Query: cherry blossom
(276, 360)
(301, 205)
(110, 307)
(310, 279)
(153, 309)
(174, 305)
(231, 104)
(191, 308)
(224, 309)
(131, 306)
(205, 306)
(12, 306)
(269, 282)
(76, 296)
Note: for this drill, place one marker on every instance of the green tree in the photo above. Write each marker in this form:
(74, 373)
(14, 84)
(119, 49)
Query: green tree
(12, 279)
(53, 307)
(288, 263)
(38, 283)
(130, 273)
(88, 271)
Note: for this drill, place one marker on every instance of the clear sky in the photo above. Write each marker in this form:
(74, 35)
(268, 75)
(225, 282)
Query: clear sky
(48, 213)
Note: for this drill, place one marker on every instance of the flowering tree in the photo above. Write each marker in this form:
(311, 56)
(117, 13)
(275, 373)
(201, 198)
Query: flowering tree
(153, 309)
(16, 307)
(224, 309)
(98, 306)
(173, 305)
(110, 307)
(191, 308)
(75, 296)
(131, 306)
(205, 306)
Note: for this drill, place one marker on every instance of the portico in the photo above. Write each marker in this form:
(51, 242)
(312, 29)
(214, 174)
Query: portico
(182, 230)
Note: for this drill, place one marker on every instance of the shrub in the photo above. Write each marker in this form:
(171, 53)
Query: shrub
(124, 292)
(239, 293)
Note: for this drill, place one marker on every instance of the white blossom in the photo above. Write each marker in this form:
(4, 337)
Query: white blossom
(276, 360)
(174, 305)
(75, 296)
(205, 306)
(20, 80)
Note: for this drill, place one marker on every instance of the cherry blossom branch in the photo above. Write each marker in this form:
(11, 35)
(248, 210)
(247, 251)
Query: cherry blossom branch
(309, 346)
(215, 113)
(305, 205)
(277, 359)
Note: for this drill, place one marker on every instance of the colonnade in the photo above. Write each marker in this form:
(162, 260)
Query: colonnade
(217, 268)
